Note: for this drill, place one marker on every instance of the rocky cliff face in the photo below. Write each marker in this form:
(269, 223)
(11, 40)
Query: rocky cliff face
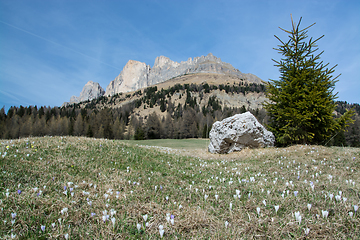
(90, 91)
(132, 77)
(136, 75)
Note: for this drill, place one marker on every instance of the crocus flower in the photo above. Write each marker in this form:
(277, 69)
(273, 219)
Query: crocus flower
(258, 210)
(324, 213)
(206, 196)
(13, 215)
(264, 202)
(226, 224)
(298, 217)
(161, 230)
(306, 230)
(351, 214)
(356, 207)
(113, 221)
(112, 212)
(42, 228)
(53, 224)
(309, 206)
(145, 217)
(64, 210)
(19, 191)
(296, 193)
(276, 208)
(216, 196)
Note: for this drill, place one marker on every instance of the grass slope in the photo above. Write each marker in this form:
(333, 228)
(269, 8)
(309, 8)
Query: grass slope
(185, 144)
(81, 188)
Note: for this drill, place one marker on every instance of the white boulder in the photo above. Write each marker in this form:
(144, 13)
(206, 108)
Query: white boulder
(238, 132)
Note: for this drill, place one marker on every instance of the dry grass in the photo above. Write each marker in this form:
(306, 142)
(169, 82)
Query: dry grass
(126, 178)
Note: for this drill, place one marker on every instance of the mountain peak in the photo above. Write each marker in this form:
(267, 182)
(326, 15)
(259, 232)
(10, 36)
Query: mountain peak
(136, 75)
(90, 91)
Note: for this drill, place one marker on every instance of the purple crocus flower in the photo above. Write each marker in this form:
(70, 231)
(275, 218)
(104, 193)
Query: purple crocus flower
(19, 191)
(296, 193)
(42, 228)
(64, 187)
(161, 187)
(172, 216)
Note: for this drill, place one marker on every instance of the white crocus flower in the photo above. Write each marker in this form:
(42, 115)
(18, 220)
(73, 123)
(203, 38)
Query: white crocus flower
(309, 206)
(298, 217)
(324, 213)
(258, 210)
(276, 208)
(161, 231)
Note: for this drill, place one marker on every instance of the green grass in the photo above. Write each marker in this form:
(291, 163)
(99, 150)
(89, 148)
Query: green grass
(132, 181)
(186, 144)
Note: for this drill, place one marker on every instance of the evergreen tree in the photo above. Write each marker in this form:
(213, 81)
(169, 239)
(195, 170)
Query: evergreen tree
(301, 103)
(153, 126)
(89, 132)
(79, 126)
(139, 134)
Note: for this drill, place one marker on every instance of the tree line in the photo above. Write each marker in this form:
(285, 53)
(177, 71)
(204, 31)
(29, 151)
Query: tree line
(187, 120)
(101, 118)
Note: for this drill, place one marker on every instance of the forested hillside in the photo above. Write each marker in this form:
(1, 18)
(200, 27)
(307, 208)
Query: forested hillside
(179, 111)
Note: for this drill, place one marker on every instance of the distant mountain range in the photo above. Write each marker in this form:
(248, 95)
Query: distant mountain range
(136, 75)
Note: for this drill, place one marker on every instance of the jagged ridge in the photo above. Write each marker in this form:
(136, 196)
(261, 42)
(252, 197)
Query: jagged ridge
(136, 75)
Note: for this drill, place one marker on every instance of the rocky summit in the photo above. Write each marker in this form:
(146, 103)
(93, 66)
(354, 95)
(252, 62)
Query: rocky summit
(90, 91)
(136, 75)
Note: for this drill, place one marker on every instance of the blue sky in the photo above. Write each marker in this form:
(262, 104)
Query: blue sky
(50, 49)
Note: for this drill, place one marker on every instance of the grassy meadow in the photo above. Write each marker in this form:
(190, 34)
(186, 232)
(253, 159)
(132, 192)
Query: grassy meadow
(82, 188)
